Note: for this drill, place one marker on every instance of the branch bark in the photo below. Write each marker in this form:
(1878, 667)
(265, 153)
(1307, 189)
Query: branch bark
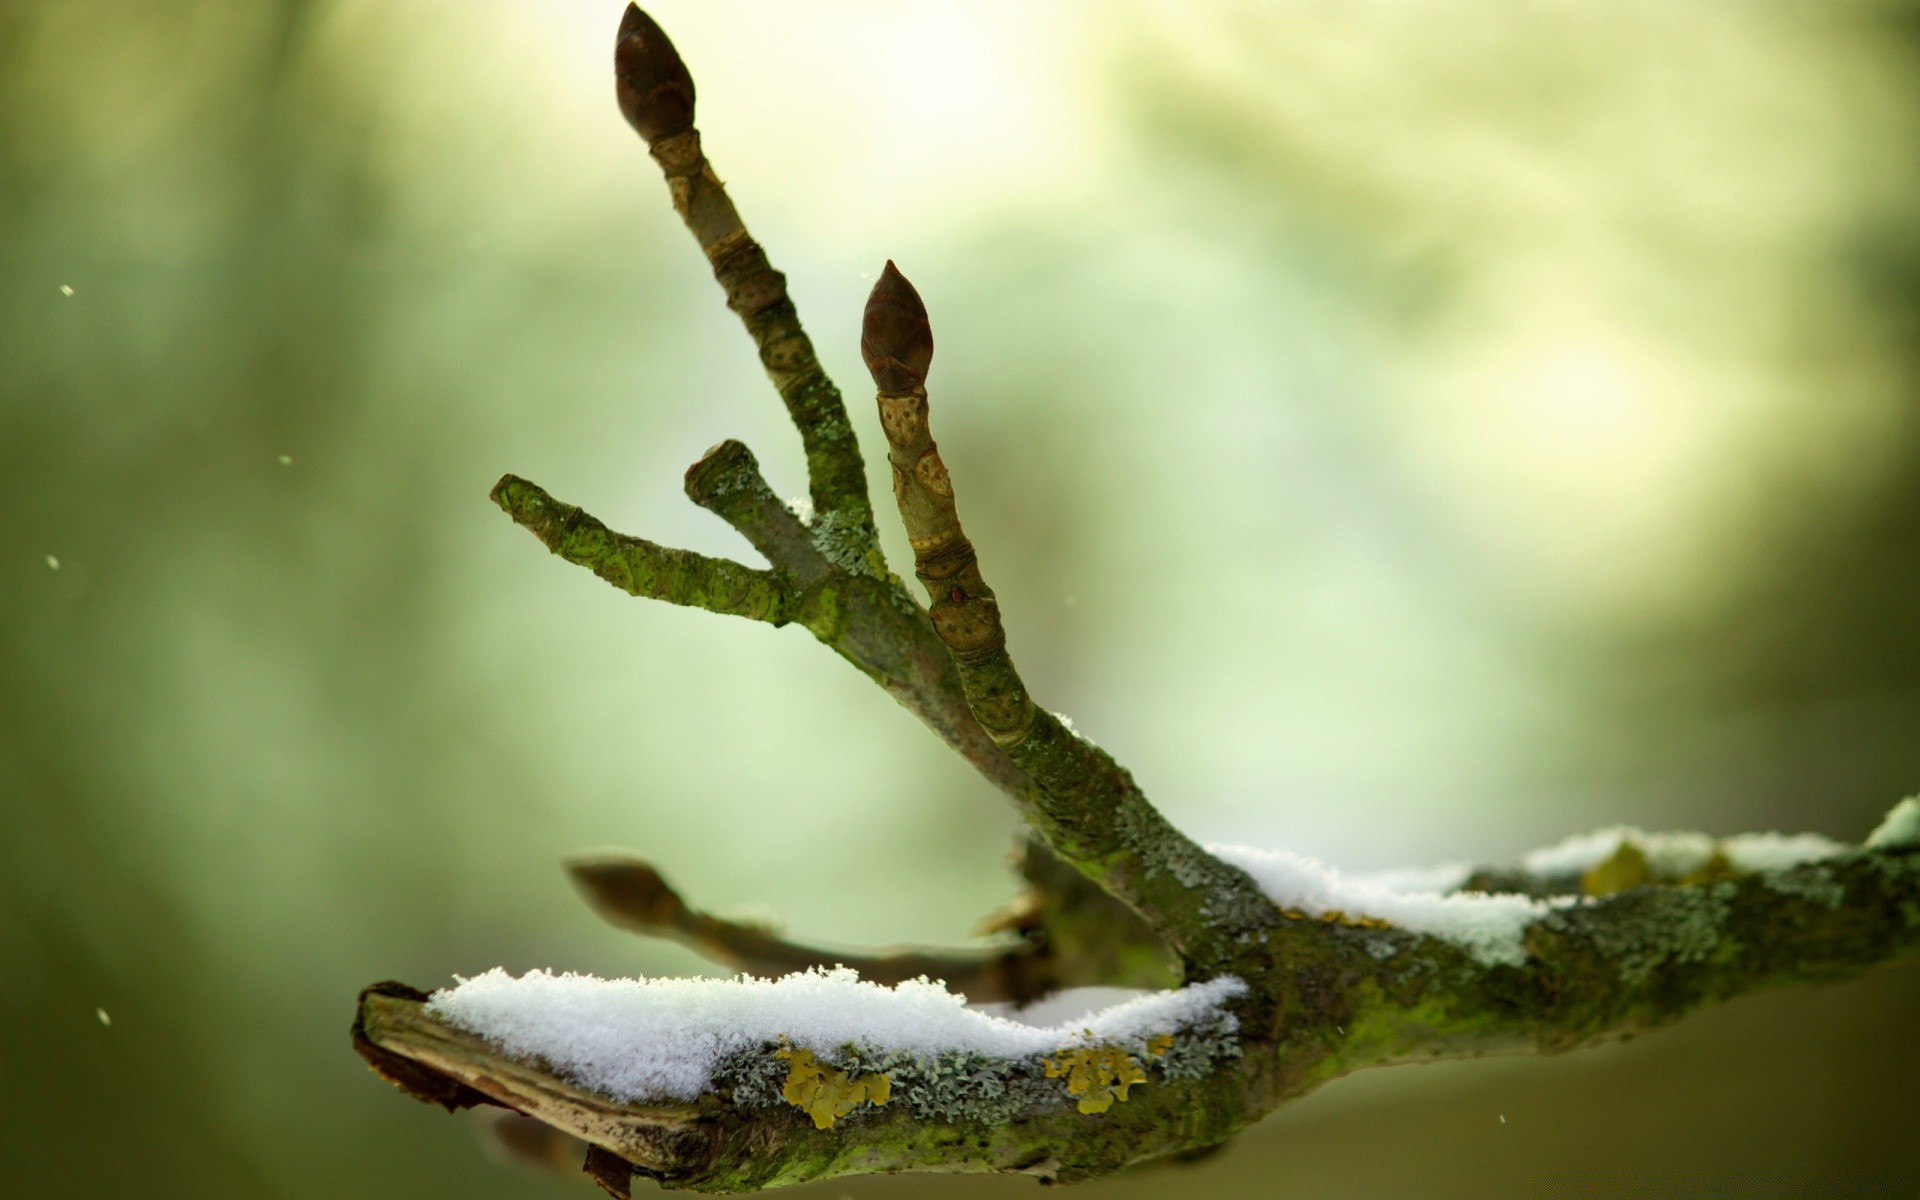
(1371, 996)
(1084, 804)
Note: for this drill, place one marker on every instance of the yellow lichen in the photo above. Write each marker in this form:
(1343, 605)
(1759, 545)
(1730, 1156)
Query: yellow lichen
(1334, 916)
(1625, 868)
(1628, 867)
(827, 1094)
(1717, 867)
(1099, 1075)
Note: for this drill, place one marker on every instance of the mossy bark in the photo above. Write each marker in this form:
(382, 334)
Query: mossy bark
(1364, 997)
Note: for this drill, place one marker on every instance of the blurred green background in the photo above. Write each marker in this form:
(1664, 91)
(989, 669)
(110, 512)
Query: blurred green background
(1400, 433)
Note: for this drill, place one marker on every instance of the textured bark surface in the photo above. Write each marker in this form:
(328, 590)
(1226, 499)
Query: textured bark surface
(1115, 895)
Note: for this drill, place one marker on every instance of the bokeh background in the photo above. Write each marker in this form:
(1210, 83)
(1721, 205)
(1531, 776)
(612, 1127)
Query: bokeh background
(1400, 432)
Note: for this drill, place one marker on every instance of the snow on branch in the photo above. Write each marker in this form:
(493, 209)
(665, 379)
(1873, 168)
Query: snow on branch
(675, 1039)
(1490, 922)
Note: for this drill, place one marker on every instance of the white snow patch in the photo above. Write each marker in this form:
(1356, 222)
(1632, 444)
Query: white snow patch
(1581, 852)
(1442, 878)
(1062, 1007)
(1777, 851)
(1675, 854)
(1901, 828)
(1488, 926)
(635, 1039)
(1667, 853)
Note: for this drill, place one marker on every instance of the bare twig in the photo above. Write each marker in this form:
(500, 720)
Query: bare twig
(629, 893)
(640, 567)
(656, 94)
(1084, 804)
(727, 482)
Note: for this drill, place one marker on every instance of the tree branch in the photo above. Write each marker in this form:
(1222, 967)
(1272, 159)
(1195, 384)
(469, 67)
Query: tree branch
(1117, 896)
(656, 95)
(727, 482)
(1083, 803)
(751, 1139)
(1606, 968)
(630, 894)
(643, 568)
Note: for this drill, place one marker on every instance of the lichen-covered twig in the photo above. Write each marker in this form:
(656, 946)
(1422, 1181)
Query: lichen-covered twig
(640, 567)
(629, 893)
(727, 482)
(1607, 968)
(746, 1141)
(656, 94)
(828, 573)
(1084, 804)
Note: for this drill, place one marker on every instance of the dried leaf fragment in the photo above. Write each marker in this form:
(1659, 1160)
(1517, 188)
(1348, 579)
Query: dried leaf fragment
(825, 1093)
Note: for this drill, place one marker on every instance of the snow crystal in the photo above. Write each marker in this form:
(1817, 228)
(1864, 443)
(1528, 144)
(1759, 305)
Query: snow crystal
(1901, 828)
(1488, 926)
(662, 1038)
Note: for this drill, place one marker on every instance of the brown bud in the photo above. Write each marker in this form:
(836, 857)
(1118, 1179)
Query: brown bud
(625, 891)
(895, 338)
(655, 90)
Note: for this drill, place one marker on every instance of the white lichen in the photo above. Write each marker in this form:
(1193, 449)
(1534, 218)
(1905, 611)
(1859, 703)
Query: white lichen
(1815, 884)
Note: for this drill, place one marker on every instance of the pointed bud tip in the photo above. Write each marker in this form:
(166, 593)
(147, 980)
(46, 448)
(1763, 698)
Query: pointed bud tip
(894, 288)
(652, 83)
(896, 340)
(625, 891)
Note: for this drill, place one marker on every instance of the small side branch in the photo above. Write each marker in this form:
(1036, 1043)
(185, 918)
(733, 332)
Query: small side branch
(727, 483)
(630, 894)
(640, 567)
(656, 95)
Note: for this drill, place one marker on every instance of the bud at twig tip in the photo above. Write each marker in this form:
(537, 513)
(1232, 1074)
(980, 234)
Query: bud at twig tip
(626, 891)
(655, 90)
(895, 339)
